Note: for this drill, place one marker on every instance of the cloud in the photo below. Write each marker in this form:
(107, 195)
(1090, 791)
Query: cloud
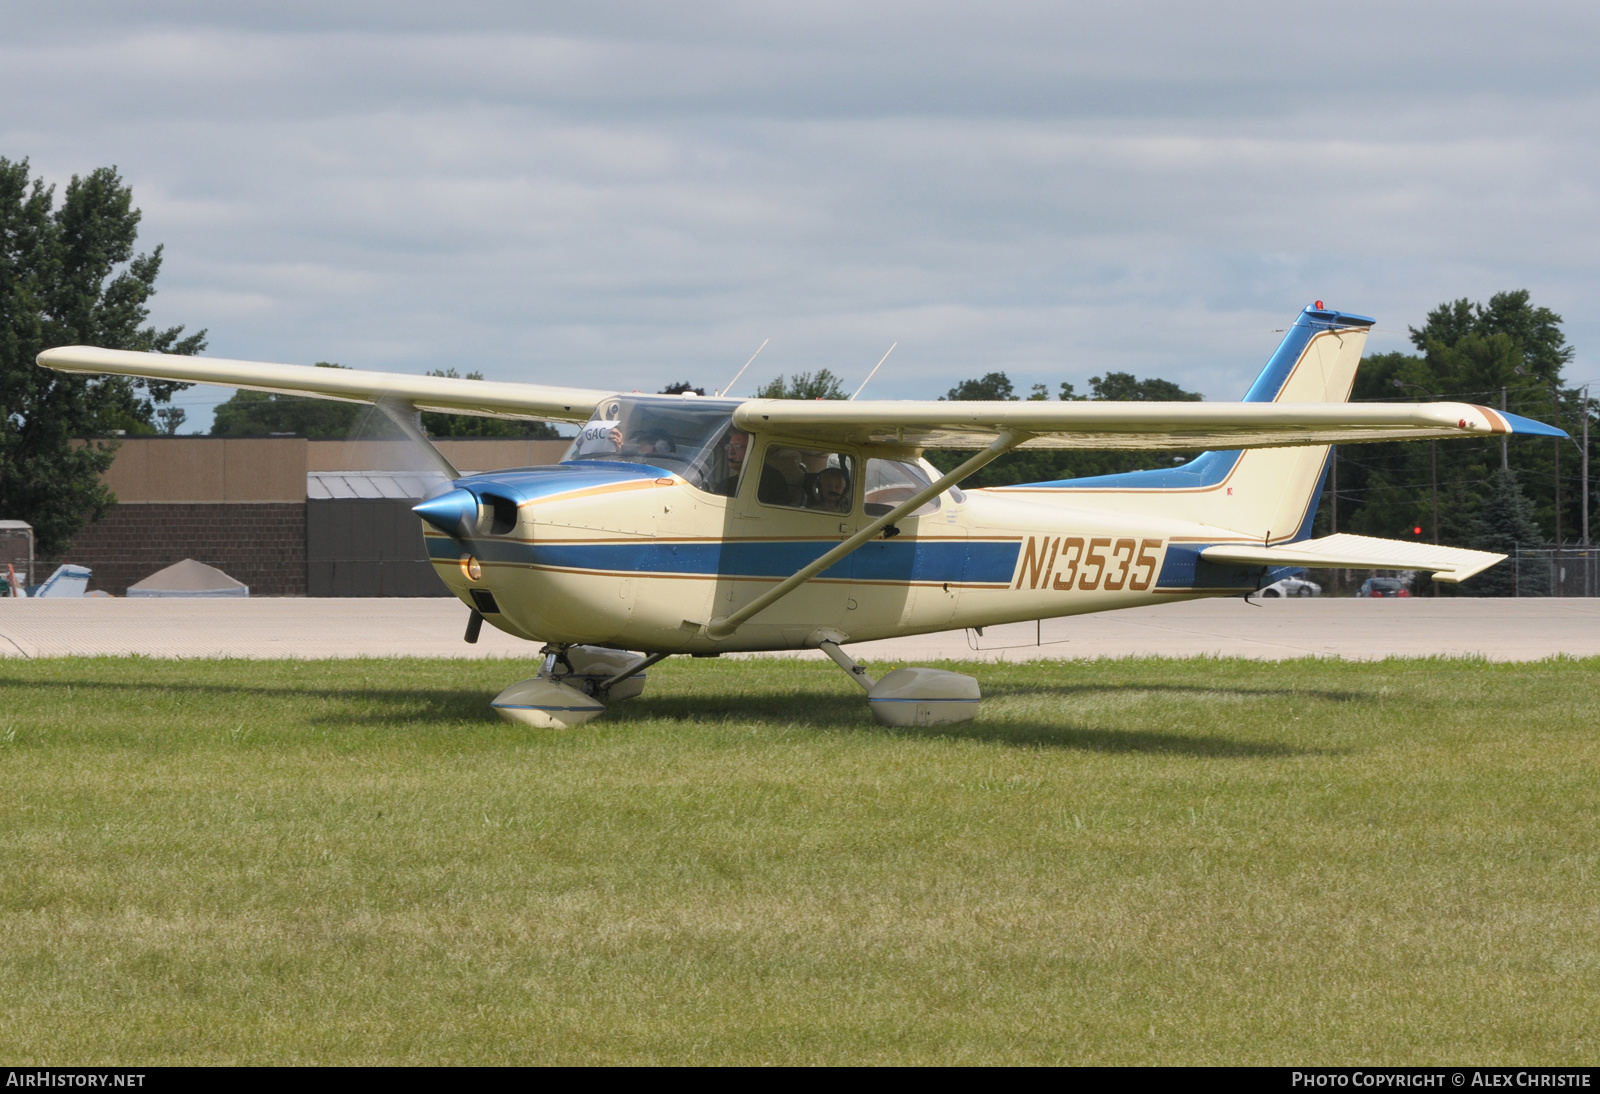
(640, 193)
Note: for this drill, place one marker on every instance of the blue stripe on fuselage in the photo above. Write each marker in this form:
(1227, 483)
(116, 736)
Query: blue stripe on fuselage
(906, 559)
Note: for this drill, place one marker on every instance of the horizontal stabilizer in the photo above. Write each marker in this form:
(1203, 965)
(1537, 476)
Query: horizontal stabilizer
(1450, 564)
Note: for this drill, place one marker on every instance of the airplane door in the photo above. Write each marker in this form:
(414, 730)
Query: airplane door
(794, 503)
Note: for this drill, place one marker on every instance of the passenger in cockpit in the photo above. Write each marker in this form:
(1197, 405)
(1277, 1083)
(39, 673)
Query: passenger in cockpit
(652, 442)
(829, 490)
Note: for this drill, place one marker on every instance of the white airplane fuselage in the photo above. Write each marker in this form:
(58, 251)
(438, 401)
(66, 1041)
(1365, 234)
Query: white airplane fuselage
(634, 557)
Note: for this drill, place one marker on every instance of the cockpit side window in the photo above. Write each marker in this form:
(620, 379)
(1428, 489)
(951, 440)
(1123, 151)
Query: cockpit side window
(726, 466)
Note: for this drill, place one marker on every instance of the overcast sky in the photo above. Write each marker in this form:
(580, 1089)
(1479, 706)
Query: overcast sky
(631, 194)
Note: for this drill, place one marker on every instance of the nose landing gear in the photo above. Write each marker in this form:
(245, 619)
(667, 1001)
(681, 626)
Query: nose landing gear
(574, 685)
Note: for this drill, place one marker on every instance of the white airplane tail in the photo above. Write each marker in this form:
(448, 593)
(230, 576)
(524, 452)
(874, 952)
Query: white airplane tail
(1268, 494)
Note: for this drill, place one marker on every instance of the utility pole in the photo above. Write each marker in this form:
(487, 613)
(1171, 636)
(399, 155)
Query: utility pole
(1556, 559)
(1557, 442)
(1505, 462)
(1433, 460)
(1333, 522)
(1584, 539)
(1433, 454)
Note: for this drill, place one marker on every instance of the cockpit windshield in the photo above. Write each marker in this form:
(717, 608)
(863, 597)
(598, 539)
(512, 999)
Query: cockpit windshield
(687, 436)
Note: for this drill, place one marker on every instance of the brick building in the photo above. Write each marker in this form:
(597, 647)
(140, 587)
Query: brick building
(284, 515)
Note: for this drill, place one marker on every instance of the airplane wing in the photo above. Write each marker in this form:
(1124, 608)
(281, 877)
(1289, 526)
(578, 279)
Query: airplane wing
(1451, 564)
(1127, 425)
(485, 398)
(917, 424)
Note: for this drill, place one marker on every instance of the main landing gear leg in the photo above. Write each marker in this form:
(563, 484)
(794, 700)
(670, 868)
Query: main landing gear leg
(842, 659)
(574, 685)
(909, 697)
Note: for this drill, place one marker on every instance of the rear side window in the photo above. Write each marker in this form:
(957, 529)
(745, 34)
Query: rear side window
(807, 478)
(890, 482)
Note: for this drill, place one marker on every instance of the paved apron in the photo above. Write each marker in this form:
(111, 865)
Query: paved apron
(1501, 630)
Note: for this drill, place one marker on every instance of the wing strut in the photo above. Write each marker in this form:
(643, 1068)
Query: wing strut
(724, 626)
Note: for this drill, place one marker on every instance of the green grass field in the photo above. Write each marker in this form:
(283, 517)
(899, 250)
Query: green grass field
(1121, 861)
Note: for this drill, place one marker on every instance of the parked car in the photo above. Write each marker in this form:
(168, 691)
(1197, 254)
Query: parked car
(1291, 586)
(1384, 586)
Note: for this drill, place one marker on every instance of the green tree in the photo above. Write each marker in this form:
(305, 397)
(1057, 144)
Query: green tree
(992, 387)
(1124, 387)
(69, 275)
(263, 413)
(1504, 523)
(803, 385)
(1536, 331)
(1470, 353)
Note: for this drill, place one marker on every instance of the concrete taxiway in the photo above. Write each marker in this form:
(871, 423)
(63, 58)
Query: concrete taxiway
(1500, 630)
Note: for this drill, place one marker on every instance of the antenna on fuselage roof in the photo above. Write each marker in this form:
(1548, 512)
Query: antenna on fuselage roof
(874, 371)
(740, 373)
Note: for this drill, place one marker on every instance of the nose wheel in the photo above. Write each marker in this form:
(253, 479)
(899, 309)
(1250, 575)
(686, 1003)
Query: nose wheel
(573, 686)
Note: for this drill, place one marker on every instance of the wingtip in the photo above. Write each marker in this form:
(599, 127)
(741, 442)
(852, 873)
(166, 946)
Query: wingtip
(1531, 427)
(67, 358)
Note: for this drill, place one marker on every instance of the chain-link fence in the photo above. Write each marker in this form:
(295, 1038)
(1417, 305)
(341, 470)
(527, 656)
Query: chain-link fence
(1556, 571)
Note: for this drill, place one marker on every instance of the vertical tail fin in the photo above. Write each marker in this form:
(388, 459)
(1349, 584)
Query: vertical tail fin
(1316, 361)
(1265, 493)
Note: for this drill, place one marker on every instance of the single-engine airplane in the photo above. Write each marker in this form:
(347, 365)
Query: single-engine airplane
(685, 524)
